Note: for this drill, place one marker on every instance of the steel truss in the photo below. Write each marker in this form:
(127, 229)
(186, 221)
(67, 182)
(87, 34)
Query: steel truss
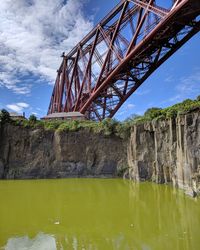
(120, 53)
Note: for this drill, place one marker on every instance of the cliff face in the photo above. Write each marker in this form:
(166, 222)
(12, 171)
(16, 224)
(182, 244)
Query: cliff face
(161, 151)
(27, 153)
(167, 151)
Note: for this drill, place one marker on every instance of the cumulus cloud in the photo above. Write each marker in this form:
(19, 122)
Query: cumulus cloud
(17, 107)
(130, 106)
(190, 84)
(33, 34)
(188, 88)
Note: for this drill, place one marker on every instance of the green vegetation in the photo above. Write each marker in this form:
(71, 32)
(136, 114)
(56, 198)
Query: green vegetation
(152, 113)
(171, 112)
(4, 116)
(108, 126)
(32, 118)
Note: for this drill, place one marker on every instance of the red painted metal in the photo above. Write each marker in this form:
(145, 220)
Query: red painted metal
(120, 53)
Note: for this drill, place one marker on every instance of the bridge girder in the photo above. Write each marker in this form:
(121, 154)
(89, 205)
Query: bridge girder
(119, 54)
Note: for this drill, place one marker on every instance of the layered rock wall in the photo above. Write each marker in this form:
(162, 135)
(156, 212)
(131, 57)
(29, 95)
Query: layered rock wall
(167, 151)
(35, 153)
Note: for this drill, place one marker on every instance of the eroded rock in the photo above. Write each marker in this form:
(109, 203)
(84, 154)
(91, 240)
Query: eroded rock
(167, 151)
(35, 153)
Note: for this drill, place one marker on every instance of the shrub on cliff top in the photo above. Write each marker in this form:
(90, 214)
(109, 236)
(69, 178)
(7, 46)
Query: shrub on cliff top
(108, 126)
(51, 125)
(153, 113)
(166, 113)
(69, 126)
(123, 129)
(32, 118)
(4, 116)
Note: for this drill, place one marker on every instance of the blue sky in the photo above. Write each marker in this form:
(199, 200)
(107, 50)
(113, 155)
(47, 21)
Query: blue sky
(34, 34)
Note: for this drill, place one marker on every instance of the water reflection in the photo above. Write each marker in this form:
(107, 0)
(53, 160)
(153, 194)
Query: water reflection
(48, 242)
(97, 214)
(40, 242)
(165, 216)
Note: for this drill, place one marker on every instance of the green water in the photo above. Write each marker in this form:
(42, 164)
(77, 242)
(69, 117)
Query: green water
(96, 214)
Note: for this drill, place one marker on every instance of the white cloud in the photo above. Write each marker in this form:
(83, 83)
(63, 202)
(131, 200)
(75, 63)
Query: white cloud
(189, 87)
(169, 79)
(174, 98)
(17, 107)
(125, 110)
(33, 36)
(23, 104)
(142, 92)
(130, 106)
(121, 113)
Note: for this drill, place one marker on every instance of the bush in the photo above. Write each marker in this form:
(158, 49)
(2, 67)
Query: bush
(32, 118)
(50, 125)
(108, 126)
(69, 126)
(170, 112)
(4, 116)
(153, 113)
(123, 129)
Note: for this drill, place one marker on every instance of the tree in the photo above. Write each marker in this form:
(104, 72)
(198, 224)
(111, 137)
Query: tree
(4, 116)
(32, 118)
(153, 112)
(187, 102)
(198, 98)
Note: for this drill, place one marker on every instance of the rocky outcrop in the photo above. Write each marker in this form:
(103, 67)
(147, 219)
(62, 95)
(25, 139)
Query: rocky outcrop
(164, 151)
(167, 151)
(35, 153)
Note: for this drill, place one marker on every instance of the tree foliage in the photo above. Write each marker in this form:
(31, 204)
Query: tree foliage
(166, 113)
(198, 98)
(153, 113)
(4, 116)
(108, 126)
(32, 118)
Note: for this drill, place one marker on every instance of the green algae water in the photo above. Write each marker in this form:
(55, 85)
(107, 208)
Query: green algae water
(103, 214)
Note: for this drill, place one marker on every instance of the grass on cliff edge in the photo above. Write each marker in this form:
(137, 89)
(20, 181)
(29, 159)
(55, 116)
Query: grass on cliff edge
(107, 126)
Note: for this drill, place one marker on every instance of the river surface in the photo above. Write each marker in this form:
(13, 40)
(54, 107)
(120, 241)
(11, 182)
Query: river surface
(103, 214)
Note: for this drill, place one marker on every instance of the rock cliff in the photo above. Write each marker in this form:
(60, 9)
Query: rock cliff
(164, 151)
(35, 153)
(167, 151)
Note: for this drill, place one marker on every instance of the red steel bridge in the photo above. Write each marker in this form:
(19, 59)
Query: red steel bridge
(120, 53)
